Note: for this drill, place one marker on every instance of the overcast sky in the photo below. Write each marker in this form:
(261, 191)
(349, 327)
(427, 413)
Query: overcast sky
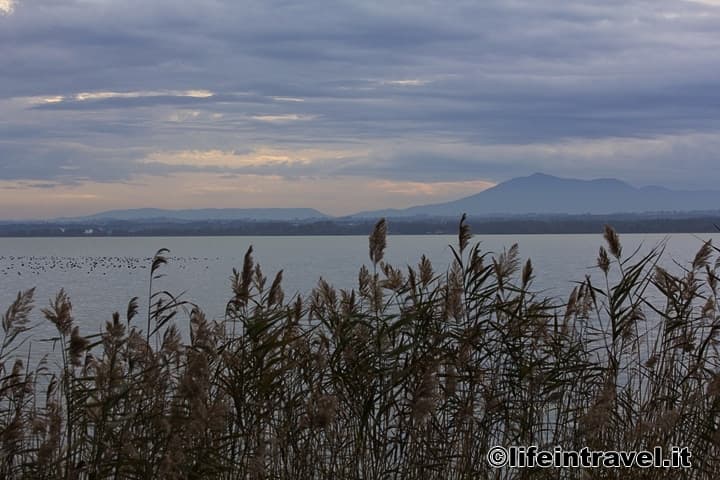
(347, 105)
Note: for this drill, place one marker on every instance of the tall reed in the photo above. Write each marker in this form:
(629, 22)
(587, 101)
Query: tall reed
(414, 373)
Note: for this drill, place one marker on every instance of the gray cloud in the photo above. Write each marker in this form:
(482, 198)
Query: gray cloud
(425, 90)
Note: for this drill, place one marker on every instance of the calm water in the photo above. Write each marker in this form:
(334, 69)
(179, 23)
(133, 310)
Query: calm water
(102, 274)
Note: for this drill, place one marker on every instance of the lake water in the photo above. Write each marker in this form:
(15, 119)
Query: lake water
(102, 274)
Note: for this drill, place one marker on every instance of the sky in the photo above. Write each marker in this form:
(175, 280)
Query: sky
(345, 105)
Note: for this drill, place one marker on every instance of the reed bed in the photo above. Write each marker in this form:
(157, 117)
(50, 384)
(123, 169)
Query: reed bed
(413, 374)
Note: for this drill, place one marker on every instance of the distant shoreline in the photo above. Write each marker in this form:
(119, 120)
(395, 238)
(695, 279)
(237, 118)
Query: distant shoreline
(532, 225)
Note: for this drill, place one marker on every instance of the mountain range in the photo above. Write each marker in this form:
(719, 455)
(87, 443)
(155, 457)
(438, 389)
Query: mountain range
(200, 214)
(539, 194)
(549, 195)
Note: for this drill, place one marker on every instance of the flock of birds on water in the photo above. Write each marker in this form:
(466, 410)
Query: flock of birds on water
(37, 265)
(23, 271)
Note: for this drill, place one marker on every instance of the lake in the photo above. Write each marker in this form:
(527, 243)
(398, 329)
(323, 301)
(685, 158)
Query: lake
(102, 274)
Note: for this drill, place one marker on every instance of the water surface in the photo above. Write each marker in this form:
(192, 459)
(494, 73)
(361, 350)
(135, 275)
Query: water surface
(102, 274)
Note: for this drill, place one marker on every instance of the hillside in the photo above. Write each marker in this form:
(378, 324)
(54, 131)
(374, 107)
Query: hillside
(546, 194)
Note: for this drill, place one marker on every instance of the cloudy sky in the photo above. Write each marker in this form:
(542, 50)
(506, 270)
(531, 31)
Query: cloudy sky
(347, 105)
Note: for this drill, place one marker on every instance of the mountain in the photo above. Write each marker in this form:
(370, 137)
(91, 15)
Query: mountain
(537, 194)
(201, 214)
(546, 194)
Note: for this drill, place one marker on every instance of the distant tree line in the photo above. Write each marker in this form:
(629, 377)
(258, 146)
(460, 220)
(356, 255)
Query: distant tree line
(557, 224)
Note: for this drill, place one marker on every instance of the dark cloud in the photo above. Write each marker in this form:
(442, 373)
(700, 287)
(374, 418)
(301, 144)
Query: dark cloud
(422, 90)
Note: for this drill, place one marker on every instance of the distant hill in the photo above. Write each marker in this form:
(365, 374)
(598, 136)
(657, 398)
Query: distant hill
(546, 194)
(537, 194)
(202, 214)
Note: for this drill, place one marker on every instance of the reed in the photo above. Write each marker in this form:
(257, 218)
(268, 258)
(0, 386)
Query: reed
(413, 374)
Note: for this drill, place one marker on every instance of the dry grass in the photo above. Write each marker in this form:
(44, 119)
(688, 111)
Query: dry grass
(413, 374)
